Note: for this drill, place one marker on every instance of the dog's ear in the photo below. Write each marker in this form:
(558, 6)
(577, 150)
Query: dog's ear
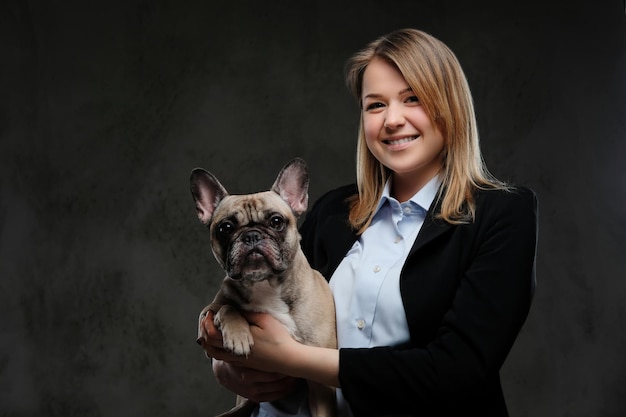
(207, 192)
(292, 184)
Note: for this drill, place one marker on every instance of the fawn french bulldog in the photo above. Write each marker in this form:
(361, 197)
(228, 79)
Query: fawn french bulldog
(255, 239)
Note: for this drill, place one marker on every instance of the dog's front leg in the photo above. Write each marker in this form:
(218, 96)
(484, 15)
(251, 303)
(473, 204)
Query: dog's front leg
(235, 330)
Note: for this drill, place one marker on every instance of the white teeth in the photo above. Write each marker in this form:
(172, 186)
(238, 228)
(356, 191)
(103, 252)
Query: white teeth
(401, 141)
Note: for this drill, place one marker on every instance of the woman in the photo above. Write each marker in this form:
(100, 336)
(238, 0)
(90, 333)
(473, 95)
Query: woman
(431, 259)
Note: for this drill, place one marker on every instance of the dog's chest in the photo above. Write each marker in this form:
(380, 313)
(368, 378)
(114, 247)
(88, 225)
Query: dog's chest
(264, 298)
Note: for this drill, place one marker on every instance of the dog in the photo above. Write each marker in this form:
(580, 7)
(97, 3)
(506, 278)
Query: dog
(255, 239)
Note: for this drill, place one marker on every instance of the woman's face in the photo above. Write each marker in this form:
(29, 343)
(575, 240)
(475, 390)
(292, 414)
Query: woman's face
(397, 130)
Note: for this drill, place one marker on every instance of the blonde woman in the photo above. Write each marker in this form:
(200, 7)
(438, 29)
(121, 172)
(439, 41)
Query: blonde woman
(430, 258)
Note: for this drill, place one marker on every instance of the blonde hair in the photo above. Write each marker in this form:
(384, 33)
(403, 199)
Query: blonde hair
(434, 74)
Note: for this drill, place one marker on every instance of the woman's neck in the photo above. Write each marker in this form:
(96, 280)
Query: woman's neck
(403, 187)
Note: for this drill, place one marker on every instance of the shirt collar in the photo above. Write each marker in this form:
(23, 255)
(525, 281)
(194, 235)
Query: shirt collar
(423, 198)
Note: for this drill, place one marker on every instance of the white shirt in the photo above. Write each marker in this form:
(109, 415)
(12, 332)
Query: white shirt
(366, 284)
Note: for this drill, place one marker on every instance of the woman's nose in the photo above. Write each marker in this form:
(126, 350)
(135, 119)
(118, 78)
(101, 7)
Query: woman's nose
(394, 117)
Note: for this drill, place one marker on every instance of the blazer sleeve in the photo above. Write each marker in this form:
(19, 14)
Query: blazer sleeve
(458, 368)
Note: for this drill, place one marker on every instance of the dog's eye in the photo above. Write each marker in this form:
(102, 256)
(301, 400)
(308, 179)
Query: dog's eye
(226, 228)
(277, 223)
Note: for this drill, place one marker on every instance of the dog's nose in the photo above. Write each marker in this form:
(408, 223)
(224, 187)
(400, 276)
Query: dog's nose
(252, 237)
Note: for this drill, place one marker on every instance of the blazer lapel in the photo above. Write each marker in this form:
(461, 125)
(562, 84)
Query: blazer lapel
(431, 229)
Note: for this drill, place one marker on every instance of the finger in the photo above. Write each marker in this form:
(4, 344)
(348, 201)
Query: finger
(202, 329)
(209, 332)
(225, 356)
(214, 352)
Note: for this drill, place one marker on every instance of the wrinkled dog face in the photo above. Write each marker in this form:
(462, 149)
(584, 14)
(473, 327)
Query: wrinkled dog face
(254, 236)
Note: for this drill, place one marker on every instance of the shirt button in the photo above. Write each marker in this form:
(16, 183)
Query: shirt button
(377, 268)
(407, 210)
(360, 324)
(397, 239)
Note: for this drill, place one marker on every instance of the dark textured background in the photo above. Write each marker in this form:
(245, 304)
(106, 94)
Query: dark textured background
(105, 107)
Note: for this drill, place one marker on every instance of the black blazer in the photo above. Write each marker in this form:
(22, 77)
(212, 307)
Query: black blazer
(466, 290)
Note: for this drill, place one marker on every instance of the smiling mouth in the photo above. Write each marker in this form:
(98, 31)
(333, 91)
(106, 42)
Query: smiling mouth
(401, 141)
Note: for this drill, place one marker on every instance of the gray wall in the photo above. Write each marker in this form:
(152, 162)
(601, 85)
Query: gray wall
(105, 109)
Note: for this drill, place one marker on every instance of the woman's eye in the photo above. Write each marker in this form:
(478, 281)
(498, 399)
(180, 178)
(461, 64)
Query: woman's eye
(412, 99)
(374, 106)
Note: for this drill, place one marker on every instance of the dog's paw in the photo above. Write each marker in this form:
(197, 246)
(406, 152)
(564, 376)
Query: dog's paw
(239, 343)
(236, 335)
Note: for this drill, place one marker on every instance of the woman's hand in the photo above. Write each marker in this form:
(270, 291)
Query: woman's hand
(272, 343)
(249, 383)
(255, 385)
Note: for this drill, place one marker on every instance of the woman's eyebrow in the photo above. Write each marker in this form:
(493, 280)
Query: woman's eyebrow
(376, 95)
(372, 95)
